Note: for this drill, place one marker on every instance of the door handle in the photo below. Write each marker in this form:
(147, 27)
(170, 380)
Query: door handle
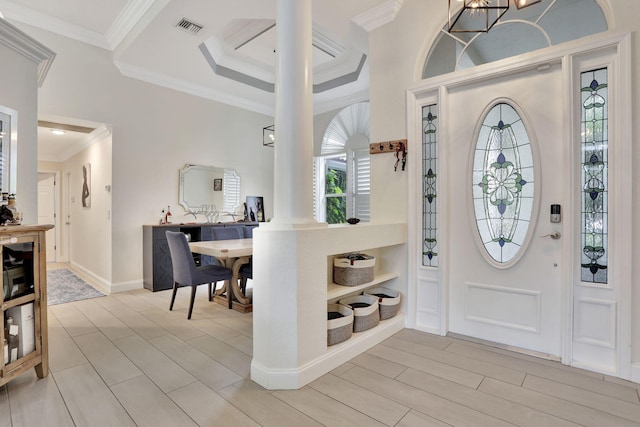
(555, 235)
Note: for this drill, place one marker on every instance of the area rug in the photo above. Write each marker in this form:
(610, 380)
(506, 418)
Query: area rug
(64, 286)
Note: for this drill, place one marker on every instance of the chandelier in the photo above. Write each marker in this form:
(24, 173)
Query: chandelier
(479, 16)
(520, 4)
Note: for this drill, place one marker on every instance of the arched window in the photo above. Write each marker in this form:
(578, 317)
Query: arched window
(543, 24)
(341, 173)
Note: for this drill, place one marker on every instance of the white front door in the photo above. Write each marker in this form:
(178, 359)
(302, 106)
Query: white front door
(570, 296)
(518, 302)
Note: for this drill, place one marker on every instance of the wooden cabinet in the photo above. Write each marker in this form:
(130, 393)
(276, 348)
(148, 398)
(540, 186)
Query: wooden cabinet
(24, 300)
(156, 259)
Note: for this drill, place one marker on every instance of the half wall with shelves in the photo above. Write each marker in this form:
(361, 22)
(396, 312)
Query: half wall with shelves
(290, 313)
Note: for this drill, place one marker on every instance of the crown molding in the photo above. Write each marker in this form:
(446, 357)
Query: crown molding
(148, 76)
(127, 20)
(28, 47)
(326, 44)
(341, 102)
(378, 16)
(36, 19)
(152, 77)
(242, 32)
(236, 63)
(99, 133)
(131, 21)
(232, 65)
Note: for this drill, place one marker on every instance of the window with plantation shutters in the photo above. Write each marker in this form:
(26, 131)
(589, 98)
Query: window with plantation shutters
(341, 175)
(231, 191)
(361, 184)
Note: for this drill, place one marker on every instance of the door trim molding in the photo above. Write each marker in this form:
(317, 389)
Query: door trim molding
(425, 91)
(57, 211)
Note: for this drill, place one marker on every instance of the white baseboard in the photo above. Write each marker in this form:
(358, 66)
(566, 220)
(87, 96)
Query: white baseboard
(104, 285)
(126, 286)
(295, 378)
(99, 282)
(635, 372)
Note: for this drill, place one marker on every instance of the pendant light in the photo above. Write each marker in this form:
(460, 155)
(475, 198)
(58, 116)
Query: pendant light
(476, 16)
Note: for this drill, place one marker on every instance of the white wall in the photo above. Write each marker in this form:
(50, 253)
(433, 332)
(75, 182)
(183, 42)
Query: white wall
(397, 53)
(89, 228)
(155, 132)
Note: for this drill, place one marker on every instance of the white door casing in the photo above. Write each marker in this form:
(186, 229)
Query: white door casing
(47, 210)
(445, 298)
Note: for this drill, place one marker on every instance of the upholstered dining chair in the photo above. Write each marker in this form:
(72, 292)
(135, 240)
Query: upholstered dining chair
(246, 272)
(185, 271)
(227, 233)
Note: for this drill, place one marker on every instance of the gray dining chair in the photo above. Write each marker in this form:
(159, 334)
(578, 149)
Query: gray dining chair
(185, 271)
(246, 272)
(227, 233)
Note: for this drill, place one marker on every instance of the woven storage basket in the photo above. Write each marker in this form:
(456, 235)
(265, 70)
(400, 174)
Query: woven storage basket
(363, 317)
(353, 269)
(340, 329)
(389, 304)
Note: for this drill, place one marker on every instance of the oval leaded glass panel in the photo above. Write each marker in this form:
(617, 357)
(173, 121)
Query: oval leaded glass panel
(503, 183)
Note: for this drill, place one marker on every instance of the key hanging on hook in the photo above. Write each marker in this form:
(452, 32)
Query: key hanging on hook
(401, 155)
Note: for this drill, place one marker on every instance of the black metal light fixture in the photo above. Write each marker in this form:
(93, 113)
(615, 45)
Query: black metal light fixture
(476, 16)
(521, 4)
(269, 136)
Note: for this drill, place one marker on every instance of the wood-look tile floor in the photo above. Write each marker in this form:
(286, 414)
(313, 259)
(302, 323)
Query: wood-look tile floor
(126, 360)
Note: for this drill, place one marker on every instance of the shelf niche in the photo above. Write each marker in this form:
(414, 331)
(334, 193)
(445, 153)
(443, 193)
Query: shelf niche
(292, 286)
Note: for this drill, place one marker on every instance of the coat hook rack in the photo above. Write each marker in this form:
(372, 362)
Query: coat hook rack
(387, 146)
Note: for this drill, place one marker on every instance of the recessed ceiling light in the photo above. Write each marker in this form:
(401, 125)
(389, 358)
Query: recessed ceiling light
(57, 131)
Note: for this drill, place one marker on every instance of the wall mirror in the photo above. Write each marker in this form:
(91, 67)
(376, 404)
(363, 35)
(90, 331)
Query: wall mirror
(8, 151)
(208, 186)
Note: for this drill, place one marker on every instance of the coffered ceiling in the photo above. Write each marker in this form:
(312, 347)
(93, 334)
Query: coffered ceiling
(219, 50)
(224, 50)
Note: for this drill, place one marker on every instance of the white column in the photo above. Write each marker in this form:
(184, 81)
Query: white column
(293, 173)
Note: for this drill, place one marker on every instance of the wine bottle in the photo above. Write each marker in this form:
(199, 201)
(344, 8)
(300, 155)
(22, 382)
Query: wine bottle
(6, 351)
(260, 213)
(163, 218)
(169, 216)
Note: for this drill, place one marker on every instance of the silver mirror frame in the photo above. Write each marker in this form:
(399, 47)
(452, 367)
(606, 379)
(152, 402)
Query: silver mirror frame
(229, 191)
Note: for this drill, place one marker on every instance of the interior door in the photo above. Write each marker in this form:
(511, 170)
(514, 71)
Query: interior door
(519, 303)
(47, 210)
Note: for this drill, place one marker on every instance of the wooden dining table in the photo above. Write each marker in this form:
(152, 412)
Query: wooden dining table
(233, 253)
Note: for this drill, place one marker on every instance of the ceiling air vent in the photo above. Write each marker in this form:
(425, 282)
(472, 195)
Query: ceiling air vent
(189, 26)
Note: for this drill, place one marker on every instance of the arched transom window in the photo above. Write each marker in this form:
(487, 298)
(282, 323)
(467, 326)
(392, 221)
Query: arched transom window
(543, 24)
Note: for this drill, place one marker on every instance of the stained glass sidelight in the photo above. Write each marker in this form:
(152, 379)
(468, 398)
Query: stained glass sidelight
(429, 188)
(595, 139)
(503, 183)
